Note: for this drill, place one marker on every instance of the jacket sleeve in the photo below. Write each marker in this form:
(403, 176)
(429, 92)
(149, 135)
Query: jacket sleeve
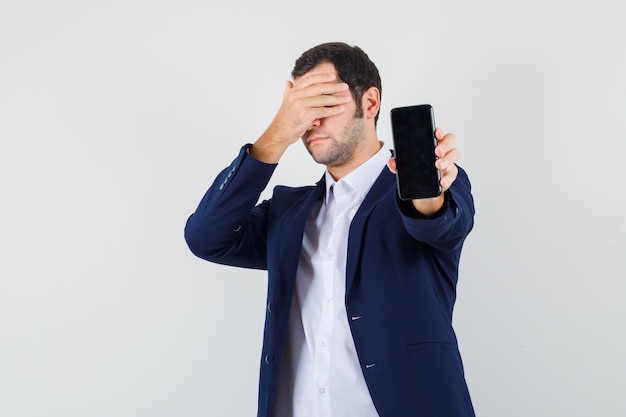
(448, 229)
(228, 227)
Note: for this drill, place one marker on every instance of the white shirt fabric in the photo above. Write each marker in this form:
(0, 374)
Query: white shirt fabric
(320, 374)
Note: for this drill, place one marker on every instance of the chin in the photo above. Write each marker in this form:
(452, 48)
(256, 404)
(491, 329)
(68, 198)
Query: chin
(317, 158)
(317, 153)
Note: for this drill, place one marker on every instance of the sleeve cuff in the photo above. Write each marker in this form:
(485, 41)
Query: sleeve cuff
(406, 208)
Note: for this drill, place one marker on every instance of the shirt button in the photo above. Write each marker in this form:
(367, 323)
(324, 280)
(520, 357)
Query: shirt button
(331, 299)
(323, 344)
(322, 391)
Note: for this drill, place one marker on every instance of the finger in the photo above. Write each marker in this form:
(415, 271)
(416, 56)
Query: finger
(312, 98)
(324, 89)
(316, 113)
(310, 79)
(309, 109)
(391, 164)
(327, 100)
(448, 159)
(326, 83)
(445, 144)
(288, 87)
(448, 177)
(319, 107)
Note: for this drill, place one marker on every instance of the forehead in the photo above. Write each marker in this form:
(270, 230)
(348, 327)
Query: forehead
(322, 68)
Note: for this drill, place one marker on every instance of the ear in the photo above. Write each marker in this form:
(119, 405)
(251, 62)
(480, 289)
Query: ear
(371, 102)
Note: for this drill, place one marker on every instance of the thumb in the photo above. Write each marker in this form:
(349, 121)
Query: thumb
(288, 86)
(391, 164)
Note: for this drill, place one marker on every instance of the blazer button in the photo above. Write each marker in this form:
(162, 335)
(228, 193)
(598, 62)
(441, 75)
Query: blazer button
(269, 307)
(267, 359)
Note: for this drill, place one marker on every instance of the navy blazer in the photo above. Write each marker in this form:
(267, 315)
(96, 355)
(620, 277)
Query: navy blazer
(400, 280)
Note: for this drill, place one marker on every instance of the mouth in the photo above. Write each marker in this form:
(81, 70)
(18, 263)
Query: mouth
(313, 139)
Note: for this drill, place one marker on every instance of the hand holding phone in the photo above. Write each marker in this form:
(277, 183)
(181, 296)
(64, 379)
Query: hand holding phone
(413, 129)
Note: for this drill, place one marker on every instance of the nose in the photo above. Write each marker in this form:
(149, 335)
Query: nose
(315, 123)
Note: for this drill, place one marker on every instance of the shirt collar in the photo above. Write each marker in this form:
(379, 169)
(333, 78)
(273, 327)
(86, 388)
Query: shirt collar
(363, 177)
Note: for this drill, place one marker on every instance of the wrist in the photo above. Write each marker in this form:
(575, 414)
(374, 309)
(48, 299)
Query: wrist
(267, 149)
(429, 206)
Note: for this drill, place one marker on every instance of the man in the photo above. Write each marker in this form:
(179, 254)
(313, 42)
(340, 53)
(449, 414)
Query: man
(361, 284)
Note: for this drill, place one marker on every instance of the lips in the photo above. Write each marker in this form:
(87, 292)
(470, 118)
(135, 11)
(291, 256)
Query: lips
(312, 140)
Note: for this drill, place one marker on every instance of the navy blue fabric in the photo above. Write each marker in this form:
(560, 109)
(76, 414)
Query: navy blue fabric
(401, 280)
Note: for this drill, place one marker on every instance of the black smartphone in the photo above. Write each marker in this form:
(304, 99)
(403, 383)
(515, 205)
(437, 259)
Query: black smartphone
(413, 129)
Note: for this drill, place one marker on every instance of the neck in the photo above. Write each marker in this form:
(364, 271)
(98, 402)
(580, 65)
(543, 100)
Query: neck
(370, 146)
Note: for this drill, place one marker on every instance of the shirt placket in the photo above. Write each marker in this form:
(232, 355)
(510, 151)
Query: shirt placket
(322, 354)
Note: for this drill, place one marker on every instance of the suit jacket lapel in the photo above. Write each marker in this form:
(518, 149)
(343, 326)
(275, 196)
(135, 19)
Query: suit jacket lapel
(291, 242)
(383, 183)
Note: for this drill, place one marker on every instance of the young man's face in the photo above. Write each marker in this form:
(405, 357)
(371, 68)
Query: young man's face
(332, 141)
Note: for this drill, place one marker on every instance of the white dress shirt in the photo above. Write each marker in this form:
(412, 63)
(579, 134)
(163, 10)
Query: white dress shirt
(320, 374)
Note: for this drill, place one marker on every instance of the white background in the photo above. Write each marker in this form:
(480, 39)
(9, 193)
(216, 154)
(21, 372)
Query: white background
(115, 117)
